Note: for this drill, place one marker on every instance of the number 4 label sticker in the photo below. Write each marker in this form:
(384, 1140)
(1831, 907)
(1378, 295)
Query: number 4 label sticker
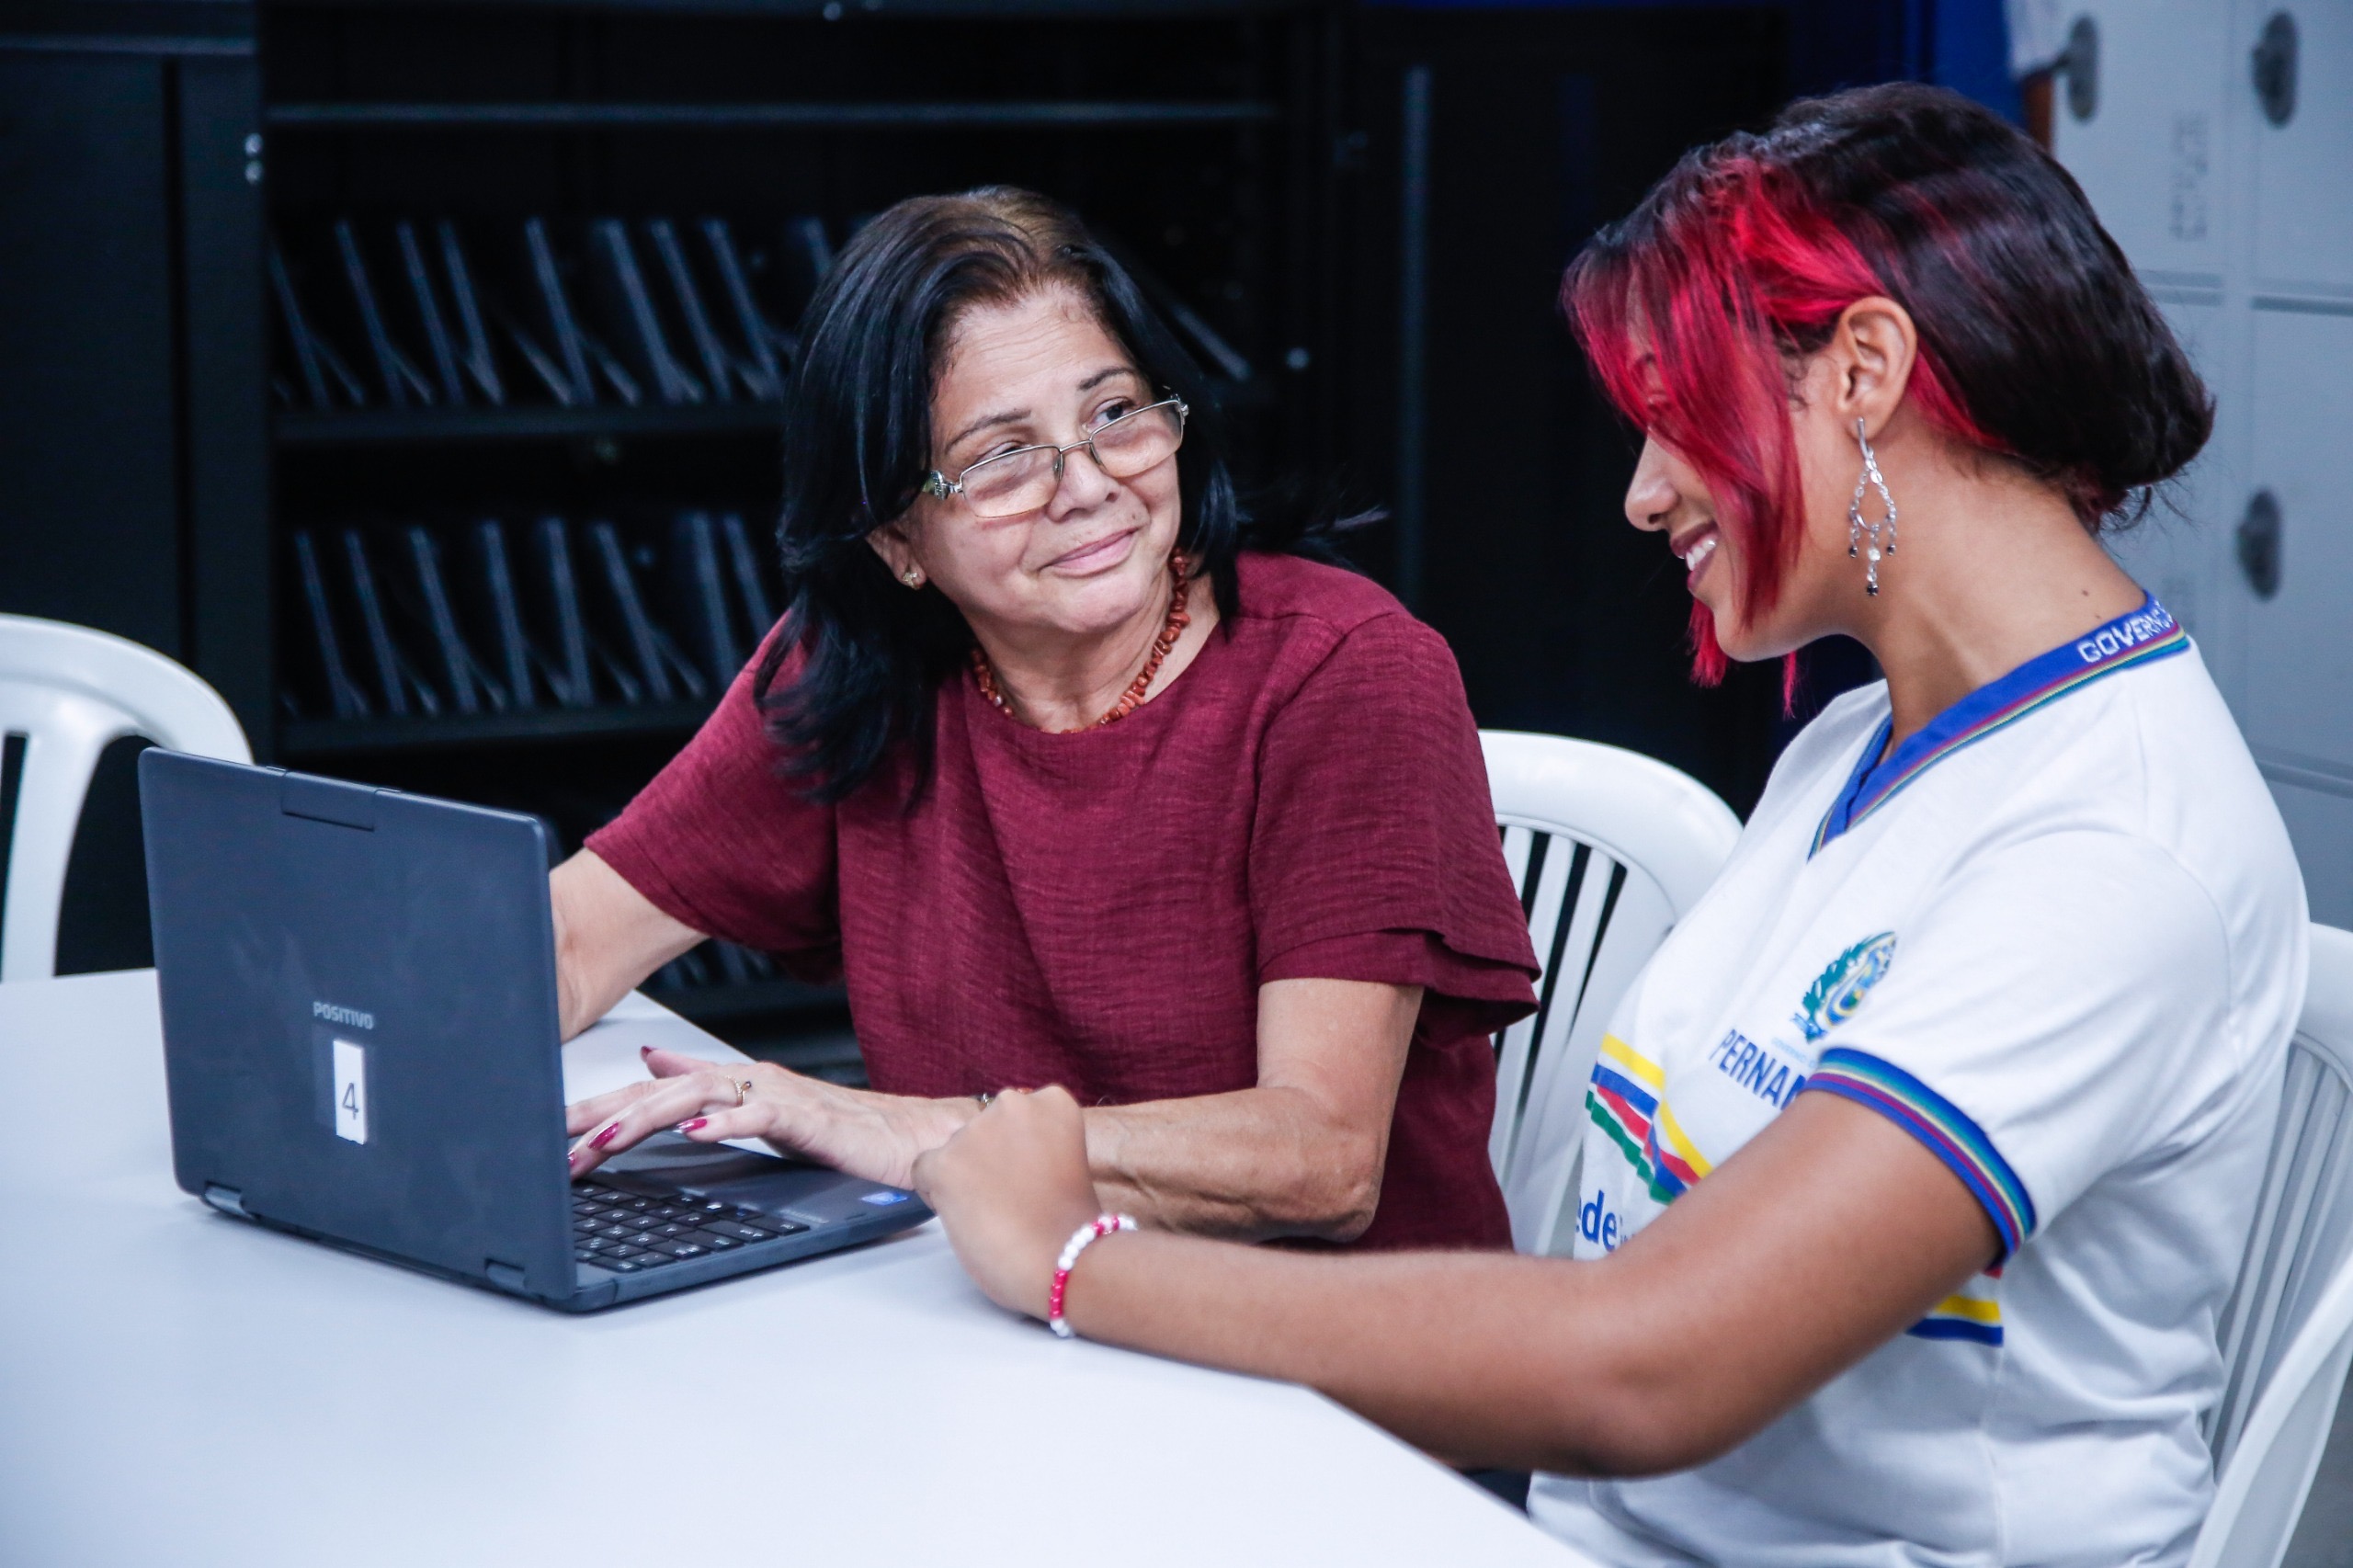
(350, 1091)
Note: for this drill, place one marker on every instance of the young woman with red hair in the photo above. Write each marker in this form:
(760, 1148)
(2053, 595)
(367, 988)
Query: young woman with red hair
(1924, 1153)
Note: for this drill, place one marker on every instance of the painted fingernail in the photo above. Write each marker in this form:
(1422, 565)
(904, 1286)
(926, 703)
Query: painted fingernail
(645, 1051)
(605, 1137)
(572, 1159)
(690, 1126)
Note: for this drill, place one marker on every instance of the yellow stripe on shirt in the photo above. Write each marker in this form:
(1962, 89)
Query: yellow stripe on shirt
(1617, 1051)
(1680, 1142)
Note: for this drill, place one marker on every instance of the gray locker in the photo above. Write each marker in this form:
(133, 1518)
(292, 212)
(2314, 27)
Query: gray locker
(2303, 168)
(2297, 706)
(2216, 141)
(2149, 154)
(2176, 552)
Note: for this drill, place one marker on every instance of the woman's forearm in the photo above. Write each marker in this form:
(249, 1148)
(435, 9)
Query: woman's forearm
(1248, 1166)
(1478, 1359)
(1300, 1154)
(1256, 1164)
(608, 937)
(1823, 1239)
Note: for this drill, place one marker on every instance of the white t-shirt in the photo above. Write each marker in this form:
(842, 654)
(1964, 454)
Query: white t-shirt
(2058, 937)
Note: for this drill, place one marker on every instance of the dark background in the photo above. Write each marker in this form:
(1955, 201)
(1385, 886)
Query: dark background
(1384, 285)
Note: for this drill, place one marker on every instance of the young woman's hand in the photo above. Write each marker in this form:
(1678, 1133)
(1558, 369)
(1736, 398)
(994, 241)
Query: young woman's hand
(1011, 1188)
(865, 1134)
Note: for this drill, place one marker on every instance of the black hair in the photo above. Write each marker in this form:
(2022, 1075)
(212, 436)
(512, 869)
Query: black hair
(857, 443)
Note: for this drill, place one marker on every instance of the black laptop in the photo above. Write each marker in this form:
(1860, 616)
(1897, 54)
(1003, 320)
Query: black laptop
(361, 1036)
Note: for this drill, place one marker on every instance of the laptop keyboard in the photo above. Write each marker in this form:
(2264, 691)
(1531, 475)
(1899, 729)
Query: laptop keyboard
(629, 1231)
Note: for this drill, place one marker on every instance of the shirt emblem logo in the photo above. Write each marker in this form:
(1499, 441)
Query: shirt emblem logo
(1840, 989)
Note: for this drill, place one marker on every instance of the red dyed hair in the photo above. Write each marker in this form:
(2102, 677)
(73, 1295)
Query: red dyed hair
(2036, 341)
(1744, 271)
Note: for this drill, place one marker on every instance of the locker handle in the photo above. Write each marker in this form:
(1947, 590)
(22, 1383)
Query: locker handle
(2258, 544)
(2080, 66)
(2274, 65)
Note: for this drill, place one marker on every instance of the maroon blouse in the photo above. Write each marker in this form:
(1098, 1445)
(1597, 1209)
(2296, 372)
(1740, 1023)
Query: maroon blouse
(1099, 909)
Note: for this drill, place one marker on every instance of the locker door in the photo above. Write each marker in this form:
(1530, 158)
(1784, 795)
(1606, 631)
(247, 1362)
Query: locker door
(2296, 698)
(2297, 704)
(2304, 221)
(2181, 551)
(2320, 824)
(2151, 156)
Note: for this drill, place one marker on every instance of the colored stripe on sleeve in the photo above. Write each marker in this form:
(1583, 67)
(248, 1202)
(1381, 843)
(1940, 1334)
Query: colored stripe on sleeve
(1956, 1328)
(1972, 1313)
(1943, 1127)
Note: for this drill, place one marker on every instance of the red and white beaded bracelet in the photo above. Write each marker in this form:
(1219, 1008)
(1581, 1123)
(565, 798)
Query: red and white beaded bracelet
(1085, 1236)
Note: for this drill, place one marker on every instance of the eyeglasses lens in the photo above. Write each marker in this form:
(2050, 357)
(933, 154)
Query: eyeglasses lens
(1025, 481)
(1134, 442)
(1017, 482)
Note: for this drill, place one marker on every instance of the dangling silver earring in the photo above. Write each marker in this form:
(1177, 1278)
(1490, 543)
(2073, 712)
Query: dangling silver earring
(912, 577)
(1858, 525)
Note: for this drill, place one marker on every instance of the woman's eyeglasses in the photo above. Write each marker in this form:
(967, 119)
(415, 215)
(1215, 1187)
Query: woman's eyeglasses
(1025, 478)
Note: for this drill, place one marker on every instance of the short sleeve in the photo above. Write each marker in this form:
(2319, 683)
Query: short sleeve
(2060, 1010)
(722, 840)
(1374, 853)
(1461, 997)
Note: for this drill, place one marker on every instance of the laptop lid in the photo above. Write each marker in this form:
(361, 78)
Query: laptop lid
(359, 1015)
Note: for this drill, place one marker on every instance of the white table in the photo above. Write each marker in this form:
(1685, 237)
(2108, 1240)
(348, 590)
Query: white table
(179, 1388)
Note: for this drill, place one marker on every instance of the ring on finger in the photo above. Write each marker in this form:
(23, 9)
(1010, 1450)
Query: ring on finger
(742, 1087)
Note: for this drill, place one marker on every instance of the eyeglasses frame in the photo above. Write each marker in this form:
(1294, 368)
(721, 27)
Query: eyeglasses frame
(941, 487)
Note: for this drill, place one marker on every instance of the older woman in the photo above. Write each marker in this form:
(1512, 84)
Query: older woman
(1926, 1150)
(1076, 780)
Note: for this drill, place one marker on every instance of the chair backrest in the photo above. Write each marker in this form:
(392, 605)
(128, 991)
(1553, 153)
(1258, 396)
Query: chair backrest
(2287, 1335)
(1609, 849)
(66, 692)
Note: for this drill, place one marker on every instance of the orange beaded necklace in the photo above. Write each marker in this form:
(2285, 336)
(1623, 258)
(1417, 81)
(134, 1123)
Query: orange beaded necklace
(1130, 700)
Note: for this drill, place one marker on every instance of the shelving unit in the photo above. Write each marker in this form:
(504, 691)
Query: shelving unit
(1197, 141)
(1365, 207)
(439, 426)
(310, 740)
(1051, 116)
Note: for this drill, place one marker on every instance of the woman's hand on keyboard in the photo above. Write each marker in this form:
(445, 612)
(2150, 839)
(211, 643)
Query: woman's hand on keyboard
(866, 1134)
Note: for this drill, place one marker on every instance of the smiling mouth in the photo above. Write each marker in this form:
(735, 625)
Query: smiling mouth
(1694, 547)
(1087, 556)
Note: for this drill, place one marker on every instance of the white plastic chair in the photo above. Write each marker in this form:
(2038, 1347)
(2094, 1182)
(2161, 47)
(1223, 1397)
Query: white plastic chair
(2287, 1336)
(70, 692)
(1609, 849)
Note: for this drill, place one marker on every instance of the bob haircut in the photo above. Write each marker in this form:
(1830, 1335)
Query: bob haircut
(857, 442)
(2037, 344)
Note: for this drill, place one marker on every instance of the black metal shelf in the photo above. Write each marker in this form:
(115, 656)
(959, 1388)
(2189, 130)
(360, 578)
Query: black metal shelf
(750, 998)
(1045, 115)
(833, 10)
(307, 738)
(378, 110)
(393, 426)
